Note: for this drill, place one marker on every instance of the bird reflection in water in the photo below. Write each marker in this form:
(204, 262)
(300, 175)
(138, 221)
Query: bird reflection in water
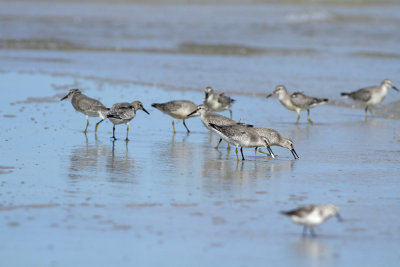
(119, 166)
(312, 252)
(86, 160)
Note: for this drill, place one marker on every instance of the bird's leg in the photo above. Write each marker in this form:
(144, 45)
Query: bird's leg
(366, 112)
(237, 157)
(219, 142)
(187, 129)
(370, 111)
(87, 124)
(308, 117)
(97, 125)
(114, 133)
(230, 113)
(241, 151)
(312, 232)
(127, 132)
(266, 153)
(255, 153)
(298, 116)
(304, 230)
(173, 126)
(229, 147)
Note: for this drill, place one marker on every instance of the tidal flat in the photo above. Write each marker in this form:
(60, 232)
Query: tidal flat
(67, 198)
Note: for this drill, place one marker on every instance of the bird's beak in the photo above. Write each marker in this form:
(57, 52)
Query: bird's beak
(146, 111)
(395, 88)
(339, 218)
(192, 113)
(65, 97)
(294, 153)
(269, 95)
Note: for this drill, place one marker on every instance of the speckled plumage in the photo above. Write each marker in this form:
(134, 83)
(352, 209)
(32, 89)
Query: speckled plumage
(274, 138)
(312, 215)
(123, 113)
(178, 109)
(297, 101)
(86, 105)
(241, 136)
(217, 102)
(371, 96)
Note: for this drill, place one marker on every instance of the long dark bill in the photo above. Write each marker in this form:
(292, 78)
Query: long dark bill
(294, 154)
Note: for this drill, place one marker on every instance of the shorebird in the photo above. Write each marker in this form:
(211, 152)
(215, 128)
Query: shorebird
(241, 136)
(371, 96)
(274, 138)
(312, 215)
(297, 101)
(123, 113)
(208, 118)
(88, 106)
(178, 109)
(217, 102)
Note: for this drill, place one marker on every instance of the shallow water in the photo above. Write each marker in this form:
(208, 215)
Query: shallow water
(72, 199)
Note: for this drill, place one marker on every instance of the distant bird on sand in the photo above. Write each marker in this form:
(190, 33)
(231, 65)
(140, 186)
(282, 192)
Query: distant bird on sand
(297, 101)
(372, 96)
(178, 109)
(217, 102)
(86, 105)
(312, 215)
(123, 113)
(274, 138)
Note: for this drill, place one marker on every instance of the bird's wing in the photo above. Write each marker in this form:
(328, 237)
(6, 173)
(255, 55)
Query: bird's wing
(224, 100)
(87, 103)
(300, 212)
(363, 94)
(120, 110)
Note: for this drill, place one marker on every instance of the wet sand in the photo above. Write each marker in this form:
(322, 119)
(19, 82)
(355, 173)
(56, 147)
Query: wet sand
(161, 199)
(71, 199)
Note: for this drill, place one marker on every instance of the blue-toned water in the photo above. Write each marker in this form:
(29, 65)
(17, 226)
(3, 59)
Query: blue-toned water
(162, 199)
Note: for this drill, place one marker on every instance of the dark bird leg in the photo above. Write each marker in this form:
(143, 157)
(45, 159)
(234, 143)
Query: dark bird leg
(366, 112)
(230, 113)
(219, 142)
(255, 153)
(241, 151)
(308, 117)
(187, 129)
(97, 125)
(114, 133)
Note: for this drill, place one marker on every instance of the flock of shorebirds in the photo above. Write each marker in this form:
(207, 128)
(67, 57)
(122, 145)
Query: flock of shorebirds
(235, 133)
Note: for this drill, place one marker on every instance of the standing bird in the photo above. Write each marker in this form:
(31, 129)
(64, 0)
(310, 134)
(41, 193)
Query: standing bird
(178, 109)
(88, 106)
(208, 118)
(124, 113)
(297, 101)
(241, 136)
(371, 96)
(274, 138)
(313, 215)
(217, 102)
